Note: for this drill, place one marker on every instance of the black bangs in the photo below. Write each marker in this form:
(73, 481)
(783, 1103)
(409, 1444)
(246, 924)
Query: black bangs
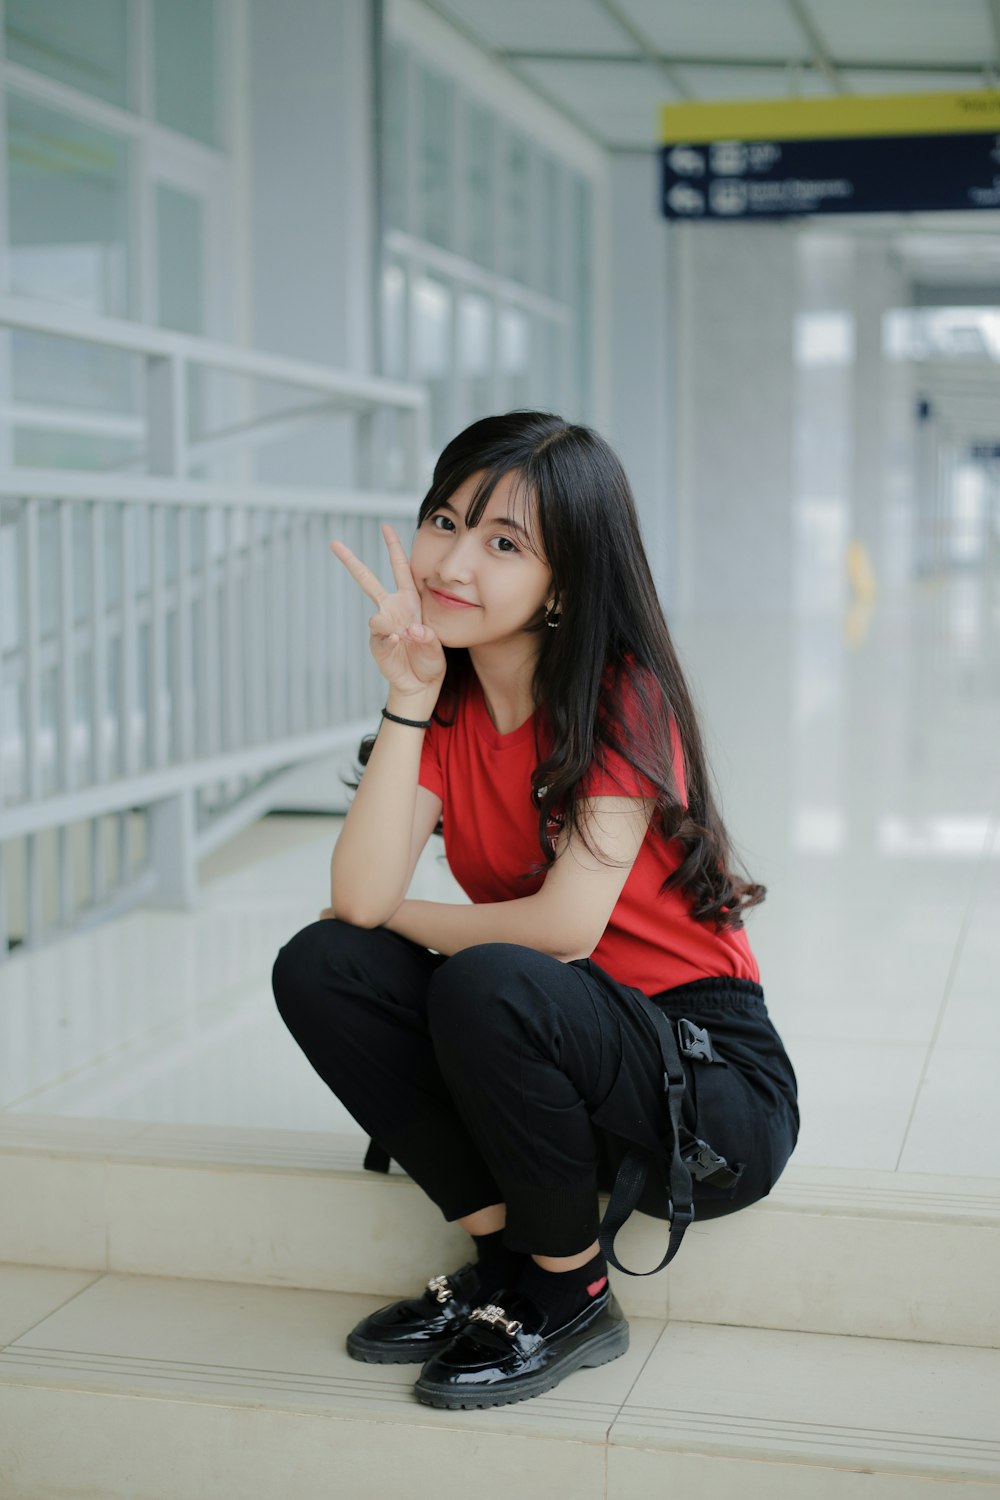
(522, 491)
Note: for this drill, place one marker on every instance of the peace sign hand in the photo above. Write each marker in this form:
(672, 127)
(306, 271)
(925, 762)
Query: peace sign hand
(409, 654)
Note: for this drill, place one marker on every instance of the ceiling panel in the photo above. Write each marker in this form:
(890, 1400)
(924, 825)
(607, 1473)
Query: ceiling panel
(871, 81)
(734, 49)
(906, 31)
(541, 25)
(619, 102)
(719, 28)
(708, 83)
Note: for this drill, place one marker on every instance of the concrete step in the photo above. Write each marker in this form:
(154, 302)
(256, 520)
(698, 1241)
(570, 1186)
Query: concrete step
(876, 1254)
(144, 1388)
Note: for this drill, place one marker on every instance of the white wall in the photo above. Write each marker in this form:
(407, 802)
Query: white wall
(311, 147)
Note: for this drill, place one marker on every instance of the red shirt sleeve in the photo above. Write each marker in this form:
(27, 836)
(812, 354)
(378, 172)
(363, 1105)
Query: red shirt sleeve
(619, 778)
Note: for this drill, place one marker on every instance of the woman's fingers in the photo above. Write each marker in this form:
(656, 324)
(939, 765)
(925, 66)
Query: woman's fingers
(368, 580)
(398, 558)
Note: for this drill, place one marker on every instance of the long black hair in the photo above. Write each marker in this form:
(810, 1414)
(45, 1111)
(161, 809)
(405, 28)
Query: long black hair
(611, 627)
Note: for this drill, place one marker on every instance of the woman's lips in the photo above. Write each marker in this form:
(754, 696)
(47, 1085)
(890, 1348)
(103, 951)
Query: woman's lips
(450, 603)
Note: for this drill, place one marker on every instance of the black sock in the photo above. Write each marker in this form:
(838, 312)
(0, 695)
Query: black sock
(496, 1265)
(562, 1294)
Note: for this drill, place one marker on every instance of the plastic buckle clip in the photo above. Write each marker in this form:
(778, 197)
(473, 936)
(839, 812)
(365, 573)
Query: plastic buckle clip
(694, 1041)
(707, 1165)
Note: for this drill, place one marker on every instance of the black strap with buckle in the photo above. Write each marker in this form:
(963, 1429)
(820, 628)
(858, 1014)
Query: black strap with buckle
(690, 1157)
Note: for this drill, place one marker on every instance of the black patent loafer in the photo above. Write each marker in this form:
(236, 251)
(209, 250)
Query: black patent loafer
(506, 1352)
(408, 1332)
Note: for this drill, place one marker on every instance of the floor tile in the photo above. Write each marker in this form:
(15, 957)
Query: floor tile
(28, 1294)
(842, 1402)
(280, 1347)
(956, 1122)
(855, 1100)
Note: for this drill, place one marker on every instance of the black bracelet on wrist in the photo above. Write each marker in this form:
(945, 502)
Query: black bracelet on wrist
(415, 723)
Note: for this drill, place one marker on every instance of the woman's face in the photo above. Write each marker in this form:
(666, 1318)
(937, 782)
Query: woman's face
(489, 565)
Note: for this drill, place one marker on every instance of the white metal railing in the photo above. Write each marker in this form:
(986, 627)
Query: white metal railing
(169, 645)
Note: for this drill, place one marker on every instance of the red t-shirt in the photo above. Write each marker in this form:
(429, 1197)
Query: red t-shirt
(490, 827)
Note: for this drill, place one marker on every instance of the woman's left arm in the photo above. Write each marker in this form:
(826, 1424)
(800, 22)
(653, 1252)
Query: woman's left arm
(567, 916)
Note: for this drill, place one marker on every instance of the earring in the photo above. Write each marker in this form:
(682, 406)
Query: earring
(552, 620)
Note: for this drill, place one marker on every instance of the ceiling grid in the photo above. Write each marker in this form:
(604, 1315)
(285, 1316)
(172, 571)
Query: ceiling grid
(821, 56)
(609, 64)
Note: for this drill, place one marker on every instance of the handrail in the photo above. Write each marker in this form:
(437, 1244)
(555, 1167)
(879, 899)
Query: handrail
(142, 338)
(180, 643)
(65, 484)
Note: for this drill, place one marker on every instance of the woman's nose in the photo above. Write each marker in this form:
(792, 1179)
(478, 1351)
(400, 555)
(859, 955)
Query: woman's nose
(457, 560)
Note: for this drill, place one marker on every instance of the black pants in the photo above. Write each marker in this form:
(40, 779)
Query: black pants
(503, 1075)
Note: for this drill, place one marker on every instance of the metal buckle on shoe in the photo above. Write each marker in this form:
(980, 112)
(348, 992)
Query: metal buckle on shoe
(439, 1286)
(493, 1315)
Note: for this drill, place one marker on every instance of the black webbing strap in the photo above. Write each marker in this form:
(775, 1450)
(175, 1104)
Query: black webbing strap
(689, 1157)
(631, 1178)
(376, 1157)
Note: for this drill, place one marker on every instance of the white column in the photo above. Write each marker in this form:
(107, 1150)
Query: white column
(640, 431)
(734, 304)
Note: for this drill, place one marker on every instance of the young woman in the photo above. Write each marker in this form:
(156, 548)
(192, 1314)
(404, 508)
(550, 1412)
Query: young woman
(595, 1016)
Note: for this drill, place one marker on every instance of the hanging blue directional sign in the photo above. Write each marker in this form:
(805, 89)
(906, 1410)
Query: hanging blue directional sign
(896, 153)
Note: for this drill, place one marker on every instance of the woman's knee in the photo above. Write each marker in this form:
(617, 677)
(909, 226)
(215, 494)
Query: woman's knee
(463, 987)
(301, 969)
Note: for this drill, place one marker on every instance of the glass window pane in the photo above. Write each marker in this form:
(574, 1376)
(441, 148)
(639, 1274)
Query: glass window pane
(480, 184)
(430, 327)
(180, 250)
(475, 335)
(552, 227)
(50, 448)
(436, 100)
(47, 370)
(83, 45)
(394, 323)
(68, 197)
(582, 293)
(515, 357)
(552, 340)
(184, 68)
(430, 349)
(517, 219)
(395, 115)
(475, 357)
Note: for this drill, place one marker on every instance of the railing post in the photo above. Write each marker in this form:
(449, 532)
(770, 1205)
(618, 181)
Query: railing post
(166, 414)
(172, 851)
(171, 822)
(366, 449)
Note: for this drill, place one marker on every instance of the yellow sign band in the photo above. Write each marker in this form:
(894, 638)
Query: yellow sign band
(848, 115)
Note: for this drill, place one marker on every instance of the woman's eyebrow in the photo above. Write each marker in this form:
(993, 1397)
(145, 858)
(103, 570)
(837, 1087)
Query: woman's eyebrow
(491, 520)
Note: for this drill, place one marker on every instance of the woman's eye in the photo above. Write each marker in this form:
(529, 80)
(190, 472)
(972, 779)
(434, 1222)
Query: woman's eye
(510, 548)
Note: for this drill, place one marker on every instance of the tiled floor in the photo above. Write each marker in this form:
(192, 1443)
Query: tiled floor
(204, 1354)
(859, 772)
